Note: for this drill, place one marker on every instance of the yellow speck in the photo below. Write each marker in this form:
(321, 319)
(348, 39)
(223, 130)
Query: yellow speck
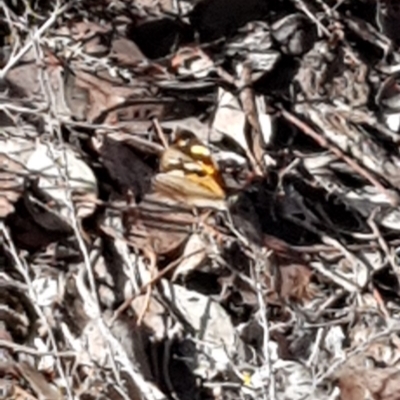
(246, 379)
(200, 150)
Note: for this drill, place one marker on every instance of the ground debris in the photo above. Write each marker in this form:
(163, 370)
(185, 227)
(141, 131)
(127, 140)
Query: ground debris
(199, 200)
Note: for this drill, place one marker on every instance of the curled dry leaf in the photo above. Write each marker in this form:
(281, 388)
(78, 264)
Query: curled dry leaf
(15, 314)
(34, 225)
(266, 120)
(295, 33)
(388, 101)
(230, 119)
(133, 340)
(192, 61)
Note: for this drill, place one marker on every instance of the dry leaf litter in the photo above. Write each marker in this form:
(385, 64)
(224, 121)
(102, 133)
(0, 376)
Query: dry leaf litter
(200, 199)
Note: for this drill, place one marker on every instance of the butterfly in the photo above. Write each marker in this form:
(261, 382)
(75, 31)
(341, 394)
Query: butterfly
(189, 174)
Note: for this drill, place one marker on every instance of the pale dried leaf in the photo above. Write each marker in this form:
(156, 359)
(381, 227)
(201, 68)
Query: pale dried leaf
(230, 119)
(194, 255)
(155, 318)
(54, 167)
(212, 324)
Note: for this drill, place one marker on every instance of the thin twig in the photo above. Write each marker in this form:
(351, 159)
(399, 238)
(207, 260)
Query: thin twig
(323, 142)
(265, 325)
(36, 36)
(23, 270)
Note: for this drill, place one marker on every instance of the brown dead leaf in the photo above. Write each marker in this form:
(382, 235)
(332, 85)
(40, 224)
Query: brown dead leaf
(159, 37)
(38, 383)
(351, 388)
(92, 35)
(76, 98)
(294, 282)
(215, 331)
(366, 383)
(24, 80)
(126, 53)
(110, 100)
(230, 119)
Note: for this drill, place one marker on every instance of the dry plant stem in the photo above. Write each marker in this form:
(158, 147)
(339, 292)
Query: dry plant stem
(93, 300)
(335, 277)
(384, 246)
(23, 270)
(6, 282)
(115, 349)
(151, 255)
(165, 368)
(303, 7)
(249, 107)
(264, 324)
(317, 343)
(364, 117)
(348, 160)
(15, 58)
(124, 251)
(381, 303)
(160, 133)
(8, 19)
(395, 329)
(347, 254)
(18, 348)
(154, 280)
(247, 98)
(149, 391)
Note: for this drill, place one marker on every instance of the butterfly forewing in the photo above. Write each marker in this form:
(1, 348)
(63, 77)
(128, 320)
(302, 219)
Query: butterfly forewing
(189, 174)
